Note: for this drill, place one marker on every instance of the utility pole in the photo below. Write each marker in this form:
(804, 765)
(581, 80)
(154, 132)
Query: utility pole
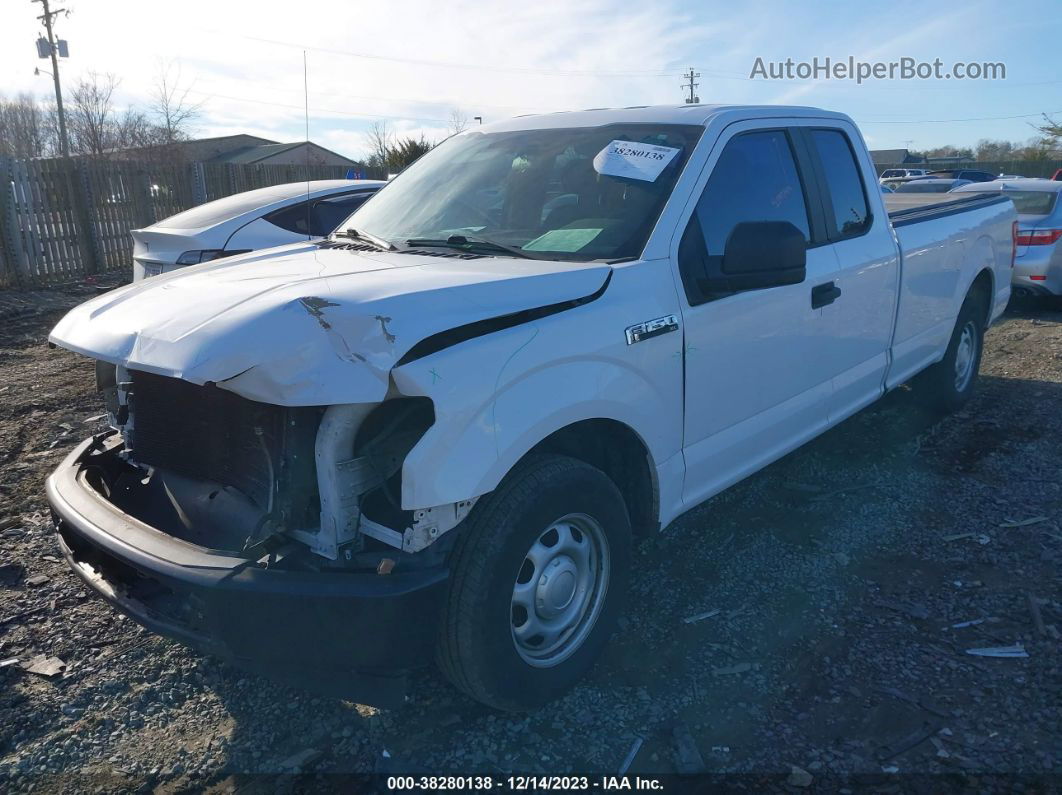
(692, 99)
(47, 18)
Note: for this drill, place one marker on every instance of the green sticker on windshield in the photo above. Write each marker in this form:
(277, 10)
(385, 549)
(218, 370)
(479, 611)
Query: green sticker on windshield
(566, 240)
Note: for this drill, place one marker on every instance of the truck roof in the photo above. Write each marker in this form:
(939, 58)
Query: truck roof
(655, 114)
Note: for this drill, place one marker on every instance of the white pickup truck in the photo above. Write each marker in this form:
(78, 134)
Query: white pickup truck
(439, 431)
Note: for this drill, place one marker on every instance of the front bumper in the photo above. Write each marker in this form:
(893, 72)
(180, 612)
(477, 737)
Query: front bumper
(355, 635)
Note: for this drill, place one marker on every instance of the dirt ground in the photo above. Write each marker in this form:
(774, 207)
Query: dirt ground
(849, 581)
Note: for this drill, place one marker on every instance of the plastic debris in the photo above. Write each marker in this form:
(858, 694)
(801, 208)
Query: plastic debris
(44, 666)
(8, 661)
(37, 579)
(1037, 616)
(972, 623)
(798, 777)
(980, 538)
(688, 759)
(702, 616)
(890, 769)
(631, 754)
(1017, 650)
(1024, 522)
(301, 759)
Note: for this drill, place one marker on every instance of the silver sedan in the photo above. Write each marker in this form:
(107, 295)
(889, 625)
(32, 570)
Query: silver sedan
(1038, 264)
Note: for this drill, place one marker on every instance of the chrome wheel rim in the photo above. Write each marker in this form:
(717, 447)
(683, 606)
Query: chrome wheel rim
(559, 590)
(965, 354)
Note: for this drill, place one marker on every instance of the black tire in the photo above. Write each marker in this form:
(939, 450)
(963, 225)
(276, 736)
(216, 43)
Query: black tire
(940, 386)
(477, 649)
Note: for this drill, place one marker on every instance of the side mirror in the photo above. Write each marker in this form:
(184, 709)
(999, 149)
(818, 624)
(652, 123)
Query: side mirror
(758, 254)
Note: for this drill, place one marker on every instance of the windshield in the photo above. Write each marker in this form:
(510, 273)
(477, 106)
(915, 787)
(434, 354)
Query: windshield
(571, 193)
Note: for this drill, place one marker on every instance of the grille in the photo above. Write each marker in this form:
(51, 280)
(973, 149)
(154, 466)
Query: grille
(206, 433)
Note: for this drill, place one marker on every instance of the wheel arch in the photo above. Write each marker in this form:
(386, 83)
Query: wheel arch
(617, 450)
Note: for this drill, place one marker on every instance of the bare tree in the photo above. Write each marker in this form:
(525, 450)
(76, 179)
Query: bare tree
(173, 110)
(91, 116)
(24, 131)
(458, 122)
(134, 130)
(380, 139)
(1050, 128)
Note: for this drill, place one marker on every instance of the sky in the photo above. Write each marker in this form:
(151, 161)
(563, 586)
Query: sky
(414, 62)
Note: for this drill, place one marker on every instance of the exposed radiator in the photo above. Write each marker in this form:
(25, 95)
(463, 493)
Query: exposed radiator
(206, 433)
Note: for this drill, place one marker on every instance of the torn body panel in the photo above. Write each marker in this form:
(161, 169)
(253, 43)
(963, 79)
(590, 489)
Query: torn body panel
(276, 328)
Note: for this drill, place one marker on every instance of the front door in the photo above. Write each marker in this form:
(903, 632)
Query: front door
(758, 369)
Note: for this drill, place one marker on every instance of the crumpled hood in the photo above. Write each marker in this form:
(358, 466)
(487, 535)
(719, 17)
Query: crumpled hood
(301, 325)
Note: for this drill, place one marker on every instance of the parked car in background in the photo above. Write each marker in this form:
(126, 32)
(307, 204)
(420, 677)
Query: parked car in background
(931, 185)
(973, 175)
(902, 172)
(895, 182)
(247, 221)
(1038, 256)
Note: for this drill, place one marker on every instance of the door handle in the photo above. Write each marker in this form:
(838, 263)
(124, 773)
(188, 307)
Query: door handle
(823, 294)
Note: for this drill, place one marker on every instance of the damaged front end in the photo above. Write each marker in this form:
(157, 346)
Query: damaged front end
(224, 472)
(238, 528)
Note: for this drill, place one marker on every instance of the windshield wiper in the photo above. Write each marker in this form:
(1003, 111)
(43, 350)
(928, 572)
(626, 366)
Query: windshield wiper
(466, 243)
(379, 242)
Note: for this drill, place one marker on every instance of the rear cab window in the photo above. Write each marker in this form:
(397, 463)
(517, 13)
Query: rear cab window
(848, 212)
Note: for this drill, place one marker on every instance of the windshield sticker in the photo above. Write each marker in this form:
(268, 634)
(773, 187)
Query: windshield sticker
(633, 161)
(566, 240)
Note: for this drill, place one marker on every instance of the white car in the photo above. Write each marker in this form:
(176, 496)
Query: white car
(248, 221)
(894, 173)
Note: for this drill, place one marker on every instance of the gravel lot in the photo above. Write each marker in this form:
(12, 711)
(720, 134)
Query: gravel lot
(838, 574)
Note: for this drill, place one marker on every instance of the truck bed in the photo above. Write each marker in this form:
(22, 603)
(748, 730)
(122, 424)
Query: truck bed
(910, 208)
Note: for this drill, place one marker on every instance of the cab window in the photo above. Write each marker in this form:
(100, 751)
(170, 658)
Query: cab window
(848, 201)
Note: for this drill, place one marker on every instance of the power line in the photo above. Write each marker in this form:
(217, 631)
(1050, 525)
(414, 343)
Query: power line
(977, 118)
(457, 65)
(210, 95)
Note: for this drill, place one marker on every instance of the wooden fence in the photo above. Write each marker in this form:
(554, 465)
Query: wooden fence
(61, 221)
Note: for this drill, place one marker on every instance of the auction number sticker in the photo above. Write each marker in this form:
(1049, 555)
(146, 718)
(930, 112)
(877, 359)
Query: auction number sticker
(633, 160)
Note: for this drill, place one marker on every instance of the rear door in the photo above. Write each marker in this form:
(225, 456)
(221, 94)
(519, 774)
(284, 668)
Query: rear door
(860, 320)
(758, 363)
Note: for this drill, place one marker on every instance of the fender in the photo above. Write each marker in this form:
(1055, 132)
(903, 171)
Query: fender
(497, 396)
(982, 255)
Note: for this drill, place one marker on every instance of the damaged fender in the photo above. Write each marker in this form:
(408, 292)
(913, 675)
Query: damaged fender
(499, 395)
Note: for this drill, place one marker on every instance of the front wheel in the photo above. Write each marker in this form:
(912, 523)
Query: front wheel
(537, 581)
(948, 385)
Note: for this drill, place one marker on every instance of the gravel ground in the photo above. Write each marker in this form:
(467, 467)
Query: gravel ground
(838, 575)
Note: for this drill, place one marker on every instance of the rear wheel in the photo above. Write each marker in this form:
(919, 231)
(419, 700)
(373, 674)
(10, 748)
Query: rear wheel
(538, 577)
(948, 385)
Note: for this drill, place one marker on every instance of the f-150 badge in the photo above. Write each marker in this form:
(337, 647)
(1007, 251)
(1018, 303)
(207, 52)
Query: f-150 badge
(651, 328)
